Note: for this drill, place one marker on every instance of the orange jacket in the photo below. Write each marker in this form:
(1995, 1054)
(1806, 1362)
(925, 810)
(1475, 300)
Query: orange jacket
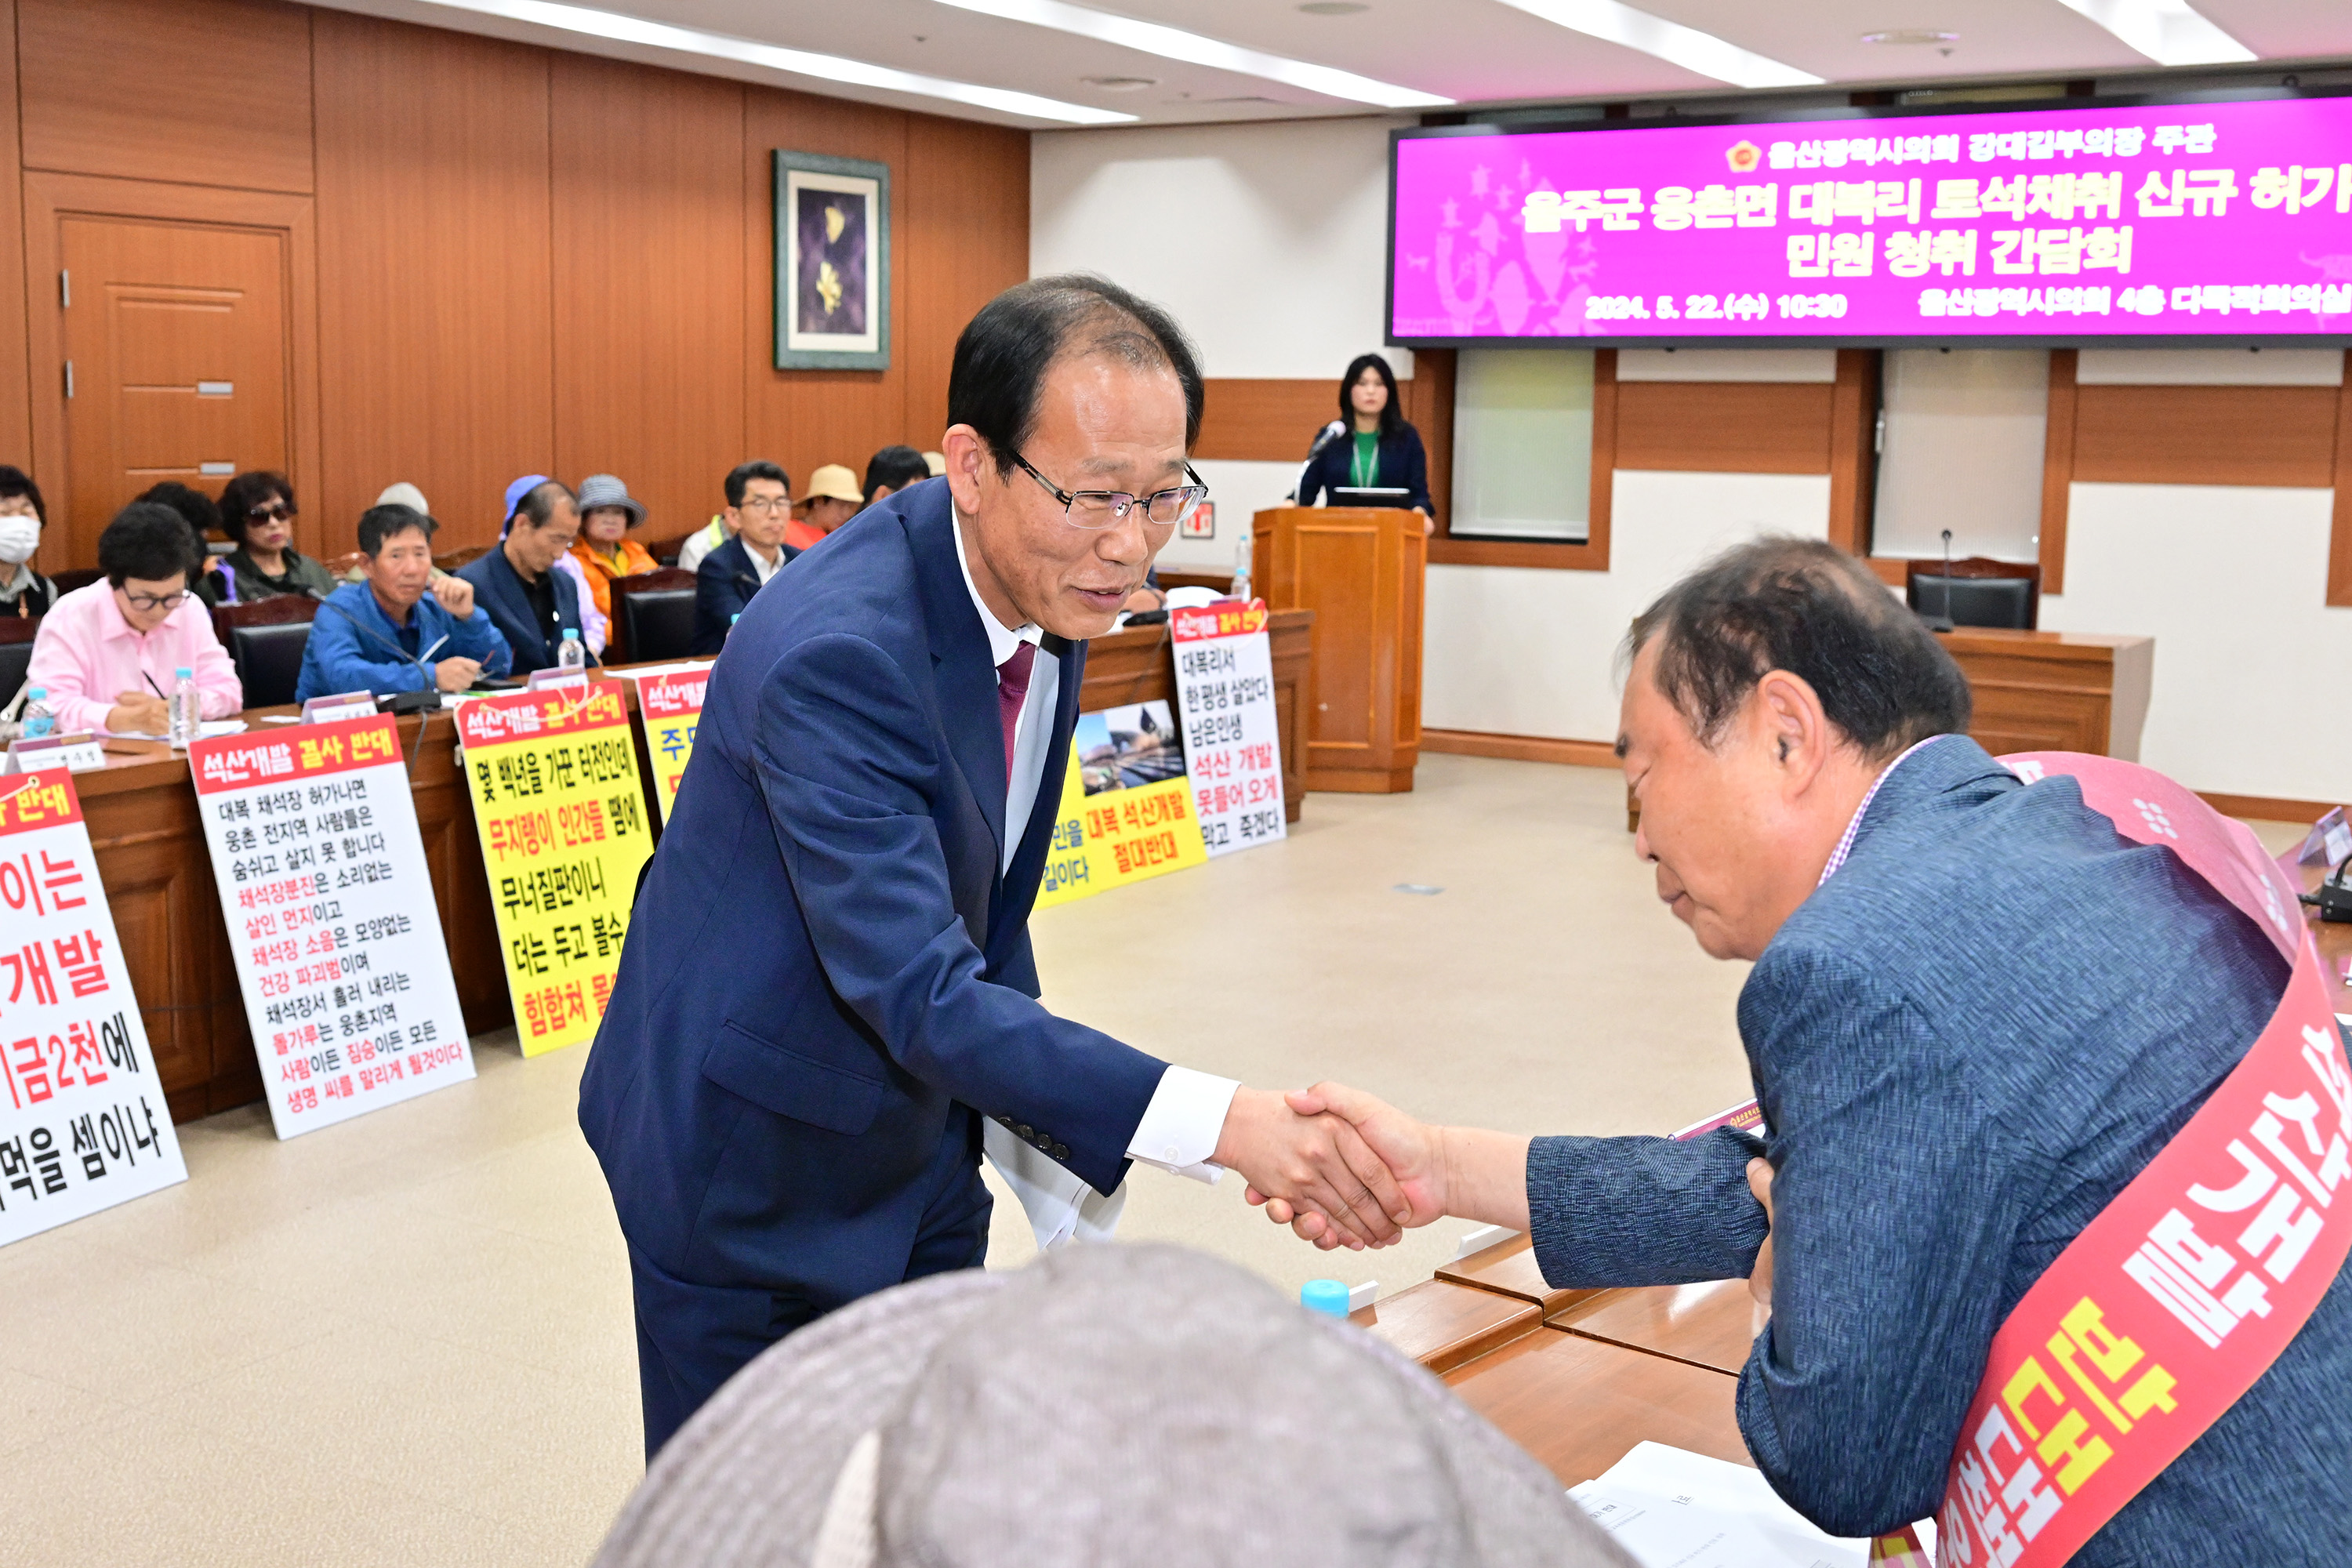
(636, 560)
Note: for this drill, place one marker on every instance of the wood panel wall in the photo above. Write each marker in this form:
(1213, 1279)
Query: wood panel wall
(527, 260)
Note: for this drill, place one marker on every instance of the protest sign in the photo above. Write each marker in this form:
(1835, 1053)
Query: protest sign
(330, 918)
(83, 1123)
(553, 778)
(1224, 686)
(670, 702)
(1126, 810)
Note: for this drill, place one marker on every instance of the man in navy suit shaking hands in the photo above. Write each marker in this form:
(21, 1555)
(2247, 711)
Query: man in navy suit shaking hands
(827, 991)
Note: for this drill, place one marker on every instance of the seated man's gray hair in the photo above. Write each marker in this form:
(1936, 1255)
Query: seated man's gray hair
(1806, 607)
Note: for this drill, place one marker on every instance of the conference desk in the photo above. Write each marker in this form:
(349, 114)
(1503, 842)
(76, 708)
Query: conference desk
(151, 853)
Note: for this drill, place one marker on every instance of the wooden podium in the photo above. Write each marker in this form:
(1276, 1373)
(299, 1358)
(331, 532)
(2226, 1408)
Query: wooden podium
(1359, 570)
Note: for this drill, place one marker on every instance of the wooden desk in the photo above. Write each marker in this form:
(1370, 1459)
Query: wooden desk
(1712, 1325)
(2334, 940)
(1442, 1325)
(1579, 1405)
(1509, 1269)
(2055, 691)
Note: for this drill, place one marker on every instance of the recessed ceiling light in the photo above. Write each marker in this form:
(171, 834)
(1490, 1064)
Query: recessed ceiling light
(800, 63)
(1119, 83)
(1702, 53)
(2167, 31)
(1334, 7)
(1911, 35)
(1175, 44)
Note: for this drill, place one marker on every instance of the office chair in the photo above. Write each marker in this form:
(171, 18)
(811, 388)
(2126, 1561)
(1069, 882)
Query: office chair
(653, 617)
(266, 640)
(17, 636)
(1980, 592)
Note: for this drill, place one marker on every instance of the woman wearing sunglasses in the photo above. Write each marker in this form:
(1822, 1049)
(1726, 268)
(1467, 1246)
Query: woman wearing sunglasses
(258, 510)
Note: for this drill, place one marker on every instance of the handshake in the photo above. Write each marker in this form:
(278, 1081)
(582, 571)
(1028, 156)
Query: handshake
(1343, 1169)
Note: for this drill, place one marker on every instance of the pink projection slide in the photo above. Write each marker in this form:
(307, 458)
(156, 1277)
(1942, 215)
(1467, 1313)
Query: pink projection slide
(2217, 219)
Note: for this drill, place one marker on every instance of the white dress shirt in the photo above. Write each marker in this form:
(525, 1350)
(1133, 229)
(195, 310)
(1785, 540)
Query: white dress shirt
(761, 564)
(1181, 1125)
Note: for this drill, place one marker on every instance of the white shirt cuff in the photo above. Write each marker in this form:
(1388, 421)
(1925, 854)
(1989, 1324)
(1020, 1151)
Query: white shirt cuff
(1181, 1125)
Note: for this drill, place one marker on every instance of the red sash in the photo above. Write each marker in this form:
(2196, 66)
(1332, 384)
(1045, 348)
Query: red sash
(2186, 1287)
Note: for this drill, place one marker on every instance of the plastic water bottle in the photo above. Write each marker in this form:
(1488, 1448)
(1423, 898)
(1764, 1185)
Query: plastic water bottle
(1242, 553)
(38, 719)
(186, 712)
(572, 657)
(1327, 1296)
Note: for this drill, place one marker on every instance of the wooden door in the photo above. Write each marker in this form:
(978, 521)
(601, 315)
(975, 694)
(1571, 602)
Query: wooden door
(175, 338)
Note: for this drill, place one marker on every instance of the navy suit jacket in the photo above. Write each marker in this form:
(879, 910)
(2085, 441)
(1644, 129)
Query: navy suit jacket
(1966, 1043)
(723, 585)
(1403, 465)
(499, 591)
(827, 972)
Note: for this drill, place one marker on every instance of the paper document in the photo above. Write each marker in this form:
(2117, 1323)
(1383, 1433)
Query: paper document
(1670, 1507)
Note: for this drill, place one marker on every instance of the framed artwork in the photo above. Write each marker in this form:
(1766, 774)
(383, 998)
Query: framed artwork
(833, 263)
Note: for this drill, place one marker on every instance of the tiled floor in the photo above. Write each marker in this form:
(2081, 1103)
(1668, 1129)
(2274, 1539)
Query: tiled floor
(406, 1339)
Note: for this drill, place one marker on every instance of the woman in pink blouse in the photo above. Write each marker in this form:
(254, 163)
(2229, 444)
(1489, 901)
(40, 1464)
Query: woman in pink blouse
(110, 652)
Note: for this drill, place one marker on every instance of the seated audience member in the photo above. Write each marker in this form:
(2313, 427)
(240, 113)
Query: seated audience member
(723, 526)
(530, 602)
(832, 499)
(1978, 1011)
(759, 506)
(203, 516)
(111, 653)
(257, 511)
(604, 550)
(403, 628)
(904, 1428)
(892, 470)
(24, 592)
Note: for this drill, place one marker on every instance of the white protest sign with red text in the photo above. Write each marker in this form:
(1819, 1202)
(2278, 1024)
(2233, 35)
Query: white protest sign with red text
(330, 918)
(83, 1124)
(1232, 745)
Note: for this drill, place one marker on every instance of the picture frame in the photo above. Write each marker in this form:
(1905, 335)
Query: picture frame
(832, 262)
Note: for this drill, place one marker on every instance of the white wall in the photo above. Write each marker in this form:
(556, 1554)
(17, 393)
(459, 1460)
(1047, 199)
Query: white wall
(1962, 449)
(1530, 650)
(2248, 695)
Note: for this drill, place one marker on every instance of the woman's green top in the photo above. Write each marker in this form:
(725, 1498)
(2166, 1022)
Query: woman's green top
(1364, 468)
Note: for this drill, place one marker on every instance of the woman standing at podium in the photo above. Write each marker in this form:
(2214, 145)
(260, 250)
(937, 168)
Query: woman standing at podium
(1369, 446)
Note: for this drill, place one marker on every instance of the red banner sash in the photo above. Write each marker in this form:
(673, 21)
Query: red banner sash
(2186, 1287)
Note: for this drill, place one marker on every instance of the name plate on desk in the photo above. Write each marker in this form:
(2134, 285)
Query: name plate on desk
(343, 705)
(78, 753)
(557, 679)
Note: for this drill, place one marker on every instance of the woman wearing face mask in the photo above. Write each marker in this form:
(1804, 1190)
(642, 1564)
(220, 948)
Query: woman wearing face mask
(258, 510)
(24, 592)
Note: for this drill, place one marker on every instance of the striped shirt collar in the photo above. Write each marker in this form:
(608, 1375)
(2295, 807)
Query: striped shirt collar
(1845, 840)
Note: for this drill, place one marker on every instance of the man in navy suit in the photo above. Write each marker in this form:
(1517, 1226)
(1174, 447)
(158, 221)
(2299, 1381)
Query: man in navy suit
(758, 509)
(1976, 1014)
(530, 600)
(828, 987)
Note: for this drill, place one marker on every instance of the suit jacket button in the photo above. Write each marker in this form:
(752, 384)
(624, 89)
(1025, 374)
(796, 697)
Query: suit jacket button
(1061, 1151)
(1022, 1130)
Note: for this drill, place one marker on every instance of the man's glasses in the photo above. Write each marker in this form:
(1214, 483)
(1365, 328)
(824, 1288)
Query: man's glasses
(764, 505)
(1104, 509)
(272, 511)
(154, 601)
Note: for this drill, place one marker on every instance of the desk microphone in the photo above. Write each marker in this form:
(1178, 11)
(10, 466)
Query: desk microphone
(1943, 623)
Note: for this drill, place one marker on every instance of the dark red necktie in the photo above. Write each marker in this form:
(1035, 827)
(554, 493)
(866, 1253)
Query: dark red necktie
(1012, 691)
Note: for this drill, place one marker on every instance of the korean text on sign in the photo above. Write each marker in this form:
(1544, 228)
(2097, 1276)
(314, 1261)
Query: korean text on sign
(83, 1125)
(330, 918)
(1125, 811)
(1224, 685)
(670, 702)
(553, 777)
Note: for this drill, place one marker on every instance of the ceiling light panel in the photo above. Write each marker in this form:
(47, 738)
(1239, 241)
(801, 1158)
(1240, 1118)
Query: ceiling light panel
(1176, 44)
(1703, 54)
(802, 63)
(2170, 32)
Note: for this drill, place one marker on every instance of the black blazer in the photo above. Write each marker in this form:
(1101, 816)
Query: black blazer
(723, 587)
(1404, 465)
(499, 591)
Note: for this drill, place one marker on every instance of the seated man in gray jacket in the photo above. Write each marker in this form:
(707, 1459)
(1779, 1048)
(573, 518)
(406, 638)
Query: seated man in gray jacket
(1978, 1012)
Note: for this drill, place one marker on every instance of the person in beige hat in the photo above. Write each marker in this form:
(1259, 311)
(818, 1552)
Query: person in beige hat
(832, 499)
(1106, 1407)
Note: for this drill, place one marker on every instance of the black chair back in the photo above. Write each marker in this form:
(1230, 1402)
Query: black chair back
(1976, 601)
(656, 624)
(16, 658)
(268, 660)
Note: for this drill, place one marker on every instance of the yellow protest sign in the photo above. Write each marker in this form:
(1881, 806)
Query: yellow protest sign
(1127, 806)
(553, 777)
(670, 702)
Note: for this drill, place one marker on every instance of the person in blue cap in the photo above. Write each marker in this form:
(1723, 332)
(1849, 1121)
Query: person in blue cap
(530, 602)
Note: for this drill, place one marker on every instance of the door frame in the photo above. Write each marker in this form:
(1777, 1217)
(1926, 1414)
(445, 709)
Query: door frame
(50, 199)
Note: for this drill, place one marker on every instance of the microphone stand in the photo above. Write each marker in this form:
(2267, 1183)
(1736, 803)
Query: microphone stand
(1943, 623)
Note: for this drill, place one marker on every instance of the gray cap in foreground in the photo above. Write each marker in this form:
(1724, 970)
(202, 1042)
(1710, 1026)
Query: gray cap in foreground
(1136, 1406)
